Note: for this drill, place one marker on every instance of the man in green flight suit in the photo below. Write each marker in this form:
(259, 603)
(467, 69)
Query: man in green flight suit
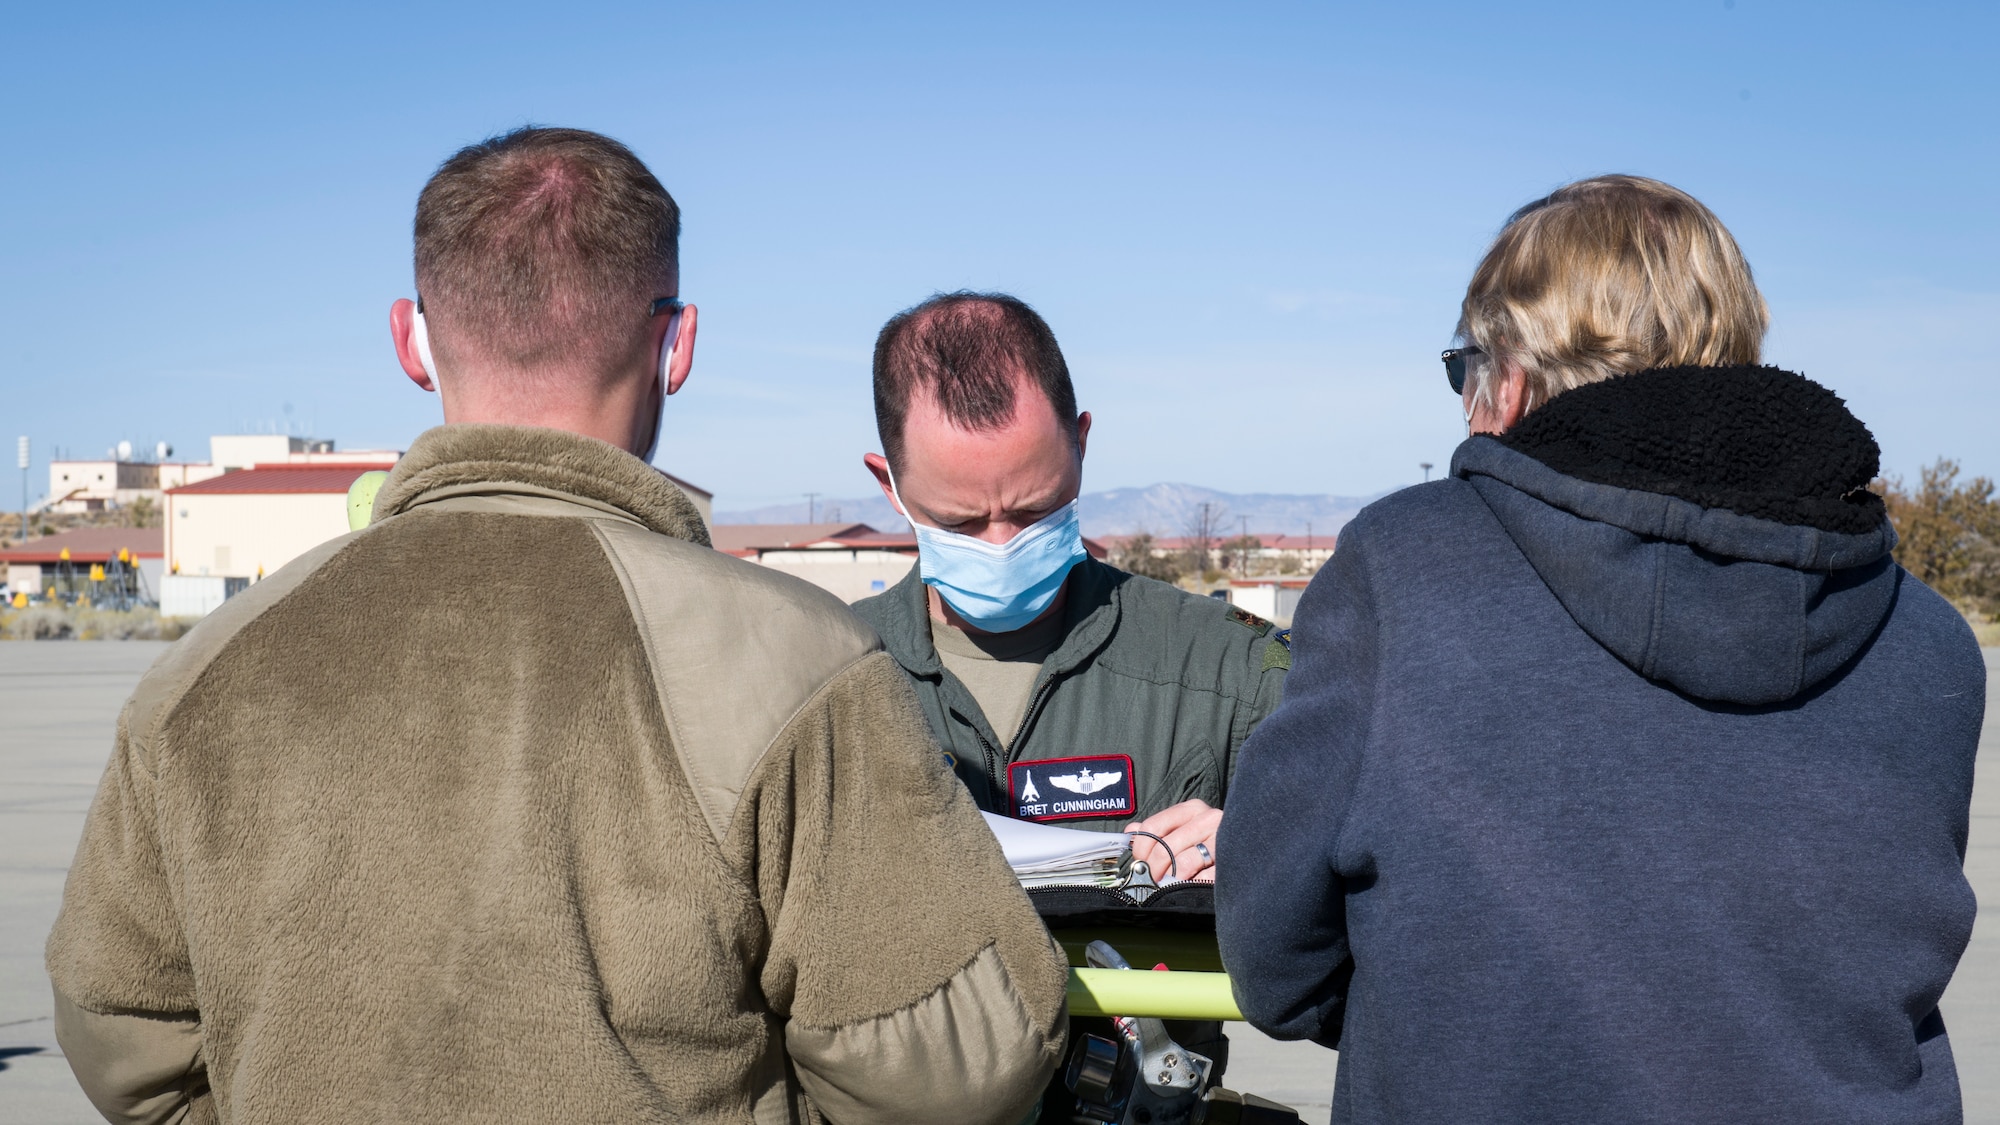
(1065, 690)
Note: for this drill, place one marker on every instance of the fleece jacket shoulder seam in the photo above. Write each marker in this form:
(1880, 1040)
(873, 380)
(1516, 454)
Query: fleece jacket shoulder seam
(692, 608)
(992, 947)
(763, 760)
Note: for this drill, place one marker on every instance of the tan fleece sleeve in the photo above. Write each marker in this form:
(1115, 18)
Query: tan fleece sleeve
(918, 983)
(118, 945)
(136, 1070)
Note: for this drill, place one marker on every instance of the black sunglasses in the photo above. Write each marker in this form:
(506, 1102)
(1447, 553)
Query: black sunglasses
(1455, 362)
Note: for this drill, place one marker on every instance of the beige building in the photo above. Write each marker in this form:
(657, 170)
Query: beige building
(246, 522)
(849, 560)
(88, 486)
(704, 500)
(249, 523)
(119, 481)
(174, 474)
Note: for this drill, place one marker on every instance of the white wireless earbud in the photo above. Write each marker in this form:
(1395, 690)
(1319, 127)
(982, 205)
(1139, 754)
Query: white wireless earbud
(669, 347)
(421, 336)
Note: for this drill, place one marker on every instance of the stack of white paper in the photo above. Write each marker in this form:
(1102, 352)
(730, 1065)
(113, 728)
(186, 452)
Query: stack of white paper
(1042, 856)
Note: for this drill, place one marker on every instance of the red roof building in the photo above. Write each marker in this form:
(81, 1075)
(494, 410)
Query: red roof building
(746, 540)
(87, 545)
(274, 479)
(249, 523)
(35, 566)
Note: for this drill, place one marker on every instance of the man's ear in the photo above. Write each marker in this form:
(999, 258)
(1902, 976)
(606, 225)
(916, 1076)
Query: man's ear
(1082, 433)
(402, 334)
(683, 350)
(879, 465)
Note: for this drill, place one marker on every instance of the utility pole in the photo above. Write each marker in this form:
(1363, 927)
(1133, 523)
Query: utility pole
(812, 507)
(24, 488)
(1243, 548)
(1207, 529)
(1426, 466)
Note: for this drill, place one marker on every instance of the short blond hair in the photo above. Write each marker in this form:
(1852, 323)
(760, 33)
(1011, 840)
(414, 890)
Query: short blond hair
(1608, 276)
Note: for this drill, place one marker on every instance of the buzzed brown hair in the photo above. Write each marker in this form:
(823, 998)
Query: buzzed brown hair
(966, 350)
(545, 247)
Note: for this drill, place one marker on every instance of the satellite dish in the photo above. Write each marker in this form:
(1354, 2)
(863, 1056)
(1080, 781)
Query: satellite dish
(124, 451)
(163, 451)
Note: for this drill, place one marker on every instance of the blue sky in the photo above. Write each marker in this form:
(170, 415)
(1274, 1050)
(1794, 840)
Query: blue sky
(1249, 225)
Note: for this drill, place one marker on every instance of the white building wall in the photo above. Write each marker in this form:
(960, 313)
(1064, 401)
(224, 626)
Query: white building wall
(1269, 600)
(236, 535)
(24, 578)
(242, 451)
(184, 595)
(151, 571)
(98, 479)
(849, 575)
(104, 480)
(1261, 600)
(174, 474)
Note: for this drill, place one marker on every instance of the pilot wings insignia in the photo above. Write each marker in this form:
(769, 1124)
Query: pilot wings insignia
(1085, 782)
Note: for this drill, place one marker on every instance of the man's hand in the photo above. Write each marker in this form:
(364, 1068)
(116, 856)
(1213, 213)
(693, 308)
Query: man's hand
(1183, 826)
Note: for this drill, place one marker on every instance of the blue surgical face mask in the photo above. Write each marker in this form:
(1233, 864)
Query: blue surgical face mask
(999, 587)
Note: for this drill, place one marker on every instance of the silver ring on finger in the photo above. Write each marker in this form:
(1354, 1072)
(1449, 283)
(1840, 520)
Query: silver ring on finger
(1207, 857)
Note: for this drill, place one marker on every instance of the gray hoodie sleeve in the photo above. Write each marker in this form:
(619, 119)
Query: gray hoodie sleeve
(1280, 887)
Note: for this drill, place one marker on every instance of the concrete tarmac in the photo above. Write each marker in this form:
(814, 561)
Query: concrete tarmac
(59, 702)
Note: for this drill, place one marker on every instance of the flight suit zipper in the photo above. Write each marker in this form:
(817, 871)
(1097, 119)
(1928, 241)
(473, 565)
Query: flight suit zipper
(1027, 717)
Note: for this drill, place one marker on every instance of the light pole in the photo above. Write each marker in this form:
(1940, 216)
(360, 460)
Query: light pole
(1426, 467)
(24, 488)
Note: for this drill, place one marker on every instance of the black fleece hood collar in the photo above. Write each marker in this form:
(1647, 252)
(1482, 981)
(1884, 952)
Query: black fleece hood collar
(1710, 526)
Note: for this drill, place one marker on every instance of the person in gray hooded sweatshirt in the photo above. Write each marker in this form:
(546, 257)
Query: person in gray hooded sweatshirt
(1622, 775)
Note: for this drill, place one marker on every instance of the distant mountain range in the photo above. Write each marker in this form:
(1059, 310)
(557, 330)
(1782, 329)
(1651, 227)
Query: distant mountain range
(1161, 509)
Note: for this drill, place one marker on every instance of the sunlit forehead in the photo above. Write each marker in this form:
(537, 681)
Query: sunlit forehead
(988, 482)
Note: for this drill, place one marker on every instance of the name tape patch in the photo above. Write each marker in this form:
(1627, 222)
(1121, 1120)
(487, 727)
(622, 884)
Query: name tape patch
(1063, 788)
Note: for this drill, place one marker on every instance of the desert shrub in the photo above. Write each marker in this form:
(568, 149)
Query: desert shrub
(1137, 557)
(61, 623)
(1948, 535)
(37, 623)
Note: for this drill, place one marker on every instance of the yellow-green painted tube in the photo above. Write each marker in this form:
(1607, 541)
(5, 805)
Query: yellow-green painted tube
(1137, 992)
(361, 498)
(1147, 948)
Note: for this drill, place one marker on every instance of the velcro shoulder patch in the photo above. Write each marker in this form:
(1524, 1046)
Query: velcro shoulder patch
(1278, 654)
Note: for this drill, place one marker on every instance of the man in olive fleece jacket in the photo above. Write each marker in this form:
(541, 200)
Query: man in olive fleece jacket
(525, 804)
